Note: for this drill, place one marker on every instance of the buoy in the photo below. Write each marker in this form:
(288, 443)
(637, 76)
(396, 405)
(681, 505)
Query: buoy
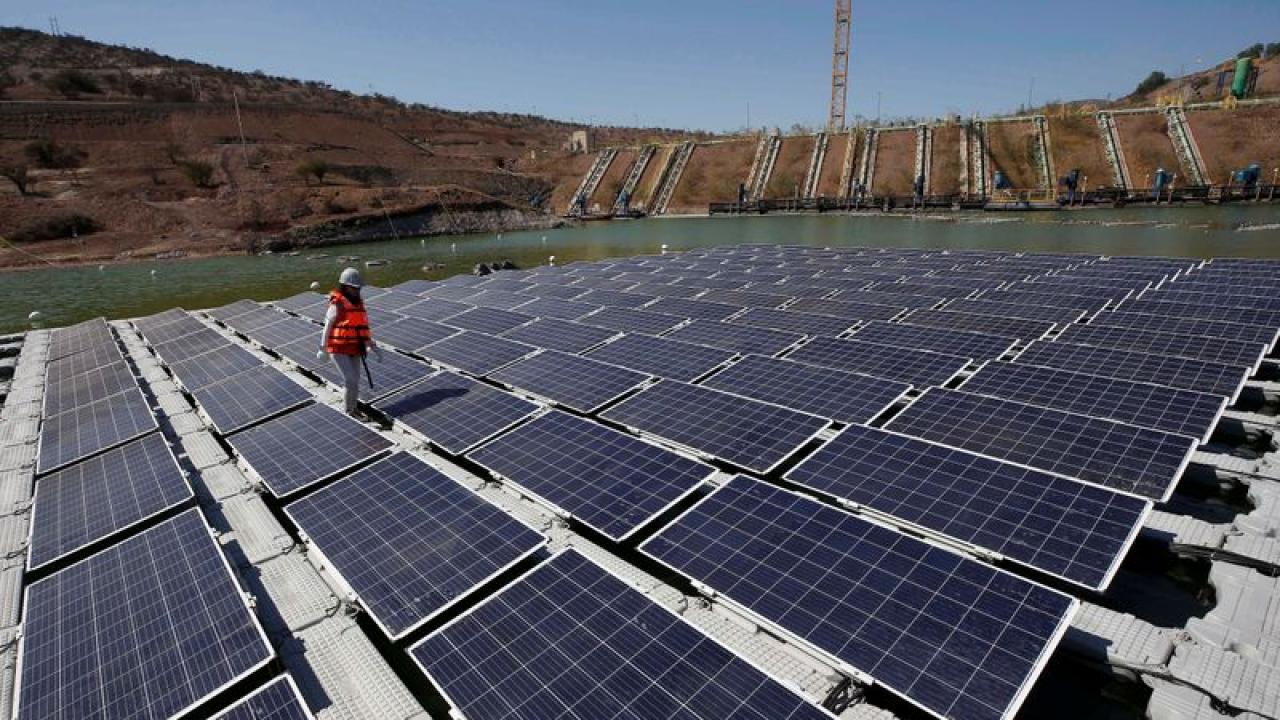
(551, 260)
(499, 236)
(315, 285)
(423, 242)
(102, 267)
(454, 247)
(33, 315)
(153, 273)
(664, 248)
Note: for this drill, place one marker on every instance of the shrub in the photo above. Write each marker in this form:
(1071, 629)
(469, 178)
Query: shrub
(72, 83)
(17, 174)
(199, 172)
(1253, 51)
(313, 167)
(46, 153)
(367, 174)
(58, 227)
(1153, 81)
(1271, 50)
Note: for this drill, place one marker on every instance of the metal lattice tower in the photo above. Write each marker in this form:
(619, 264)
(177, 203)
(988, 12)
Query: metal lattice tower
(840, 66)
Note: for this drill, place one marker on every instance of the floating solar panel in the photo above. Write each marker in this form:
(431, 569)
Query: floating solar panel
(1219, 350)
(507, 282)
(412, 333)
(301, 301)
(661, 357)
(191, 345)
(745, 432)
(409, 541)
(979, 346)
(575, 382)
(1026, 311)
(746, 298)
(1077, 532)
(102, 496)
(249, 396)
(1050, 298)
(88, 387)
(88, 429)
(1131, 459)
(253, 320)
(1197, 375)
(841, 396)
(443, 291)
(1144, 404)
(239, 307)
(434, 309)
(692, 309)
(917, 367)
(161, 319)
(954, 636)
(302, 352)
(602, 283)
(213, 366)
(999, 326)
(574, 619)
(551, 307)
(390, 370)
(290, 329)
(454, 412)
(849, 310)
(658, 287)
(562, 335)
(277, 700)
(393, 300)
(886, 298)
(306, 446)
(148, 628)
(78, 338)
(91, 358)
(789, 321)
(610, 481)
(614, 298)
(1190, 326)
(476, 353)
(802, 290)
(489, 321)
(743, 339)
(173, 330)
(413, 287)
(1226, 298)
(632, 321)
(499, 299)
(548, 290)
(928, 289)
(1208, 311)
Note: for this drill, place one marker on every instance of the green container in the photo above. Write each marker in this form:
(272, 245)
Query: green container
(1241, 81)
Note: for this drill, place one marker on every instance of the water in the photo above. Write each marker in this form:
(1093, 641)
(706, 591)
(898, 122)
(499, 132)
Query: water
(65, 296)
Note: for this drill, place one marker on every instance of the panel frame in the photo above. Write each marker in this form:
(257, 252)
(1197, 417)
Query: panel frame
(285, 679)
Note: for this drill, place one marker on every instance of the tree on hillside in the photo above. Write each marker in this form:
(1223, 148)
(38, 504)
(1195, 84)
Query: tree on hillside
(72, 83)
(199, 172)
(17, 174)
(50, 155)
(1153, 81)
(312, 167)
(1271, 50)
(1253, 51)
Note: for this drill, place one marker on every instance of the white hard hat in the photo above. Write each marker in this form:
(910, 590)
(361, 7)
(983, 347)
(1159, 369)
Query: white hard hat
(350, 276)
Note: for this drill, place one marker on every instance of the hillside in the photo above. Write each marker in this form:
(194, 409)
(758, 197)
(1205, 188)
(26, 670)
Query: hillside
(126, 152)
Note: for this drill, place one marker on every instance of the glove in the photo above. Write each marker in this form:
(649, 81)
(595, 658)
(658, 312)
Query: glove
(377, 353)
(320, 354)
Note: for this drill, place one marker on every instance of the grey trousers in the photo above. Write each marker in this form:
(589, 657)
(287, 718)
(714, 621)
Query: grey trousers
(349, 366)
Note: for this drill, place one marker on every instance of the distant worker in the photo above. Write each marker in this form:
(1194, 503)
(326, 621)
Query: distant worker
(347, 338)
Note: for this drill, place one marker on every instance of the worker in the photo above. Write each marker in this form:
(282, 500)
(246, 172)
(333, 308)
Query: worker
(347, 338)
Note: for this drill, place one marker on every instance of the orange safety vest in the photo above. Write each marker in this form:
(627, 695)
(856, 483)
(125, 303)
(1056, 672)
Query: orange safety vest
(350, 334)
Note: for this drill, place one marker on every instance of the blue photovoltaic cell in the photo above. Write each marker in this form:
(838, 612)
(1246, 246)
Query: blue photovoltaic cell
(693, 309)
(87, 387)
(631, 320)
(249, 396)
(562, 335)
(743, 339)
(1145, 404)
(434, 309)
(791, 321)
(416, 286)
(746, 432)
(848, 309)
(230, 310)
(1185, 373)
(390, 370)
(609, 480)
(89, 359)
(547, 290)
(454, 412)
(214, 366)
(661, 357)
(958, 638)
(756, 297)
(412, 333)
(841, 396)
(1075, 531)
(301, 301)
(103, 495)
(498, 299)
(489, 321)
(553, 307)
(1189, 326)
(1123, 457)
(613, 298)
(85, 430)
(277, 700)
(1052, 296)
(190, 345)
(951, 342)
(145, 629)
(303, 447)
(1219, 350)
(587, 645)
(290, 329)
(883, 298)
(576, 382)
(1028, 311)
(1007, 327)
(658, 287)
(1224, 297)
(408, 540)
(475, 352)
(917, 367)
(1207, 311)
(255, 319)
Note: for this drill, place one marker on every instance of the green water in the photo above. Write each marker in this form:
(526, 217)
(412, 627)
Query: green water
(65, 296)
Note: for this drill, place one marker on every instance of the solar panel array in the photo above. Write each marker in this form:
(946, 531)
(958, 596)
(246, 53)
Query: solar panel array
(841, 396)
(580, 383)
(454, 412)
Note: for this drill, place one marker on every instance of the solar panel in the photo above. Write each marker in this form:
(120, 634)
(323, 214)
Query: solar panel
(434, 309)
(277, 700)
(551, 307)
(1189, 326)
(443, 291)
(249, 396)
(580, 383)
(1225, 297)
(585, 644)
(191, 345)
(102, 496)
(392, 301)
(1050, 297)
(390, 371)
(214, 366)
(1131, 459)
(248, 322)
(847, 309)
(900, 300)
(692, 309)
(454, 412)
(802, 290)
(413, 287)
(74, 434)
(742, 339)
(302, 352)
(1252, 316)
(958, 638)
(632, 321)
(917, 367)
(1197, 375)
(476, 353)
(1077, 532)
(610, 481)
(412, 333)
(306, 446)
(148, 628)
(172, 330)
(549, 290)
(161, 319)
(499, 299)
(602, 283)
(979, 346)
(78, 338)
(789, 321)
(614, 298)
(1219, 350)
(1145, 404)
(929, 289)
(660, 287)
(88, 387)
(661, 357)
(290, 329)
(562, 335)
(89, 359)
(301, 301)
(745, 432)
(1026, 311)
(232, 309)
(756, 297)
(1000, 326)
(834, 394)
(489, 321)
(409, 541)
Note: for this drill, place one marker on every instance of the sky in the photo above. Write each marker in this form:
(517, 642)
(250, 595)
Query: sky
(698, 64)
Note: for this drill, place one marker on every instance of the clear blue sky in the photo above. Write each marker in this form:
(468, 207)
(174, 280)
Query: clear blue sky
(692, 64)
